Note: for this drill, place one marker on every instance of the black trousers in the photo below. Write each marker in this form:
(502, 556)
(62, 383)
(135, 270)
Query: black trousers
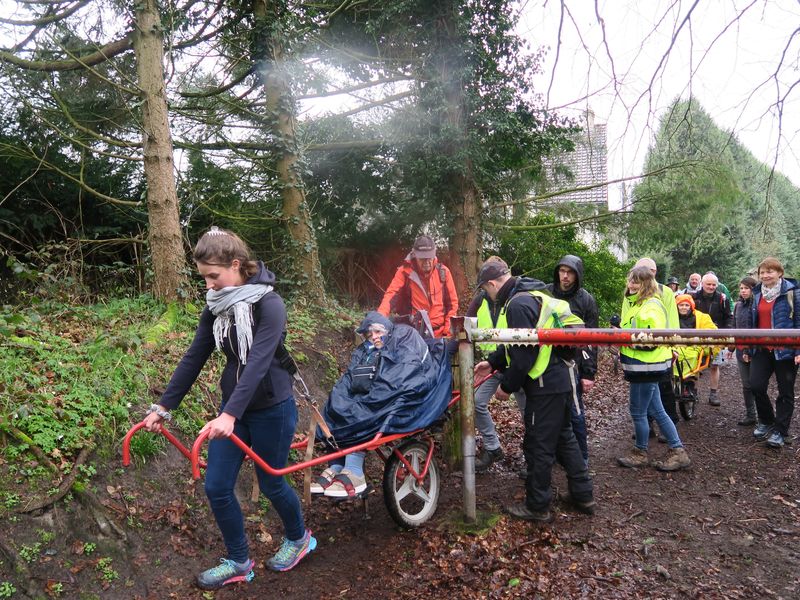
(668, 397)
(762, 366)
(549, 437)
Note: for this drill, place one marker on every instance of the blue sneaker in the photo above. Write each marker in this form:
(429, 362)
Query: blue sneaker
(224, 573)
(775, 440)
(291, 553)
(762, 431)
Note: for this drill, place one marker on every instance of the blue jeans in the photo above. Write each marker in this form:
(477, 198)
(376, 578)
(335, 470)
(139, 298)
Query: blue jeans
(269, 433)
(483, 420)
(645, 400)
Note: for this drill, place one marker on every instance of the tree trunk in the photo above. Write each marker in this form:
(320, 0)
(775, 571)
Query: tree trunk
(464, 198)
(279, 106)
(166, 245)
(466, 242)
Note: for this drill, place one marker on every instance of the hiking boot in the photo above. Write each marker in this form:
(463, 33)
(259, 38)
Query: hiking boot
(712, 398)
(291, 553)
(762, 431)
(521, 511)
(676, 459)
(775, 440)
(636, 458)
(226, 572)
(346, 485)
(587, 507)
(487, 458)
(747, 421)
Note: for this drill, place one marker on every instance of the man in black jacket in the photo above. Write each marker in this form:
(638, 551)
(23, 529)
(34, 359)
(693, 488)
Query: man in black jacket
(716, 304)
(548, 430)
(568, 285)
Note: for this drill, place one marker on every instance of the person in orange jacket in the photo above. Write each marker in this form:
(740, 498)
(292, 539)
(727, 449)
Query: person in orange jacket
(423, 283)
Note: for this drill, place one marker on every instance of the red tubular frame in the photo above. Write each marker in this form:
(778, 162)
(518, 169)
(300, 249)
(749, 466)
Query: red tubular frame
(126, 444)
(418, 476)
(374, 444)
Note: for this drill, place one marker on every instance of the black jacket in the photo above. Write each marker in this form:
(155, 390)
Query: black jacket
(718, 306)
(583, 305)
(260, 383)
(741, 318)
(523, 313)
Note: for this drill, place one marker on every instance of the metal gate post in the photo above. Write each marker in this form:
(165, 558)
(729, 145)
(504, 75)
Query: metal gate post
(467, 407)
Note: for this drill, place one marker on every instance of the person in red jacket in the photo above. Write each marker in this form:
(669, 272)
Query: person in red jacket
(423, 283)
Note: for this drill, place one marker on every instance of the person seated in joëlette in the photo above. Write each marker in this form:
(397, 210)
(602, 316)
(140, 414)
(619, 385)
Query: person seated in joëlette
(396, 382)
(688, 360)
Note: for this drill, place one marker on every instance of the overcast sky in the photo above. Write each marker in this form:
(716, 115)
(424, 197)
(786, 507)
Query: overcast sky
(728, 65)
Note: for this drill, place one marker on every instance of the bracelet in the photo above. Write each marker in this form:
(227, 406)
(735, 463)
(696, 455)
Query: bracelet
(164, 414)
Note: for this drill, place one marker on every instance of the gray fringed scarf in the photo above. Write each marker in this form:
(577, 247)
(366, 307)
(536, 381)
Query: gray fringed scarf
(771, 293)
(236, 301)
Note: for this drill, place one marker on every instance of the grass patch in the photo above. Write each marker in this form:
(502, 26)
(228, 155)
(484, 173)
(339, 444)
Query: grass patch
(485, 521)
(73, 375)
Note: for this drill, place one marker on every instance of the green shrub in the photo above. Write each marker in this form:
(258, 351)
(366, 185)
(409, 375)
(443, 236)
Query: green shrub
(535, 253)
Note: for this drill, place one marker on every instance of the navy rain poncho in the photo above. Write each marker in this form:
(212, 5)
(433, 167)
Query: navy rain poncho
(410, 389)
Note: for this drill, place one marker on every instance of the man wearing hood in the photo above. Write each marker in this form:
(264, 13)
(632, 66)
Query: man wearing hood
(543, 372)
(568, 285)
(423, 283)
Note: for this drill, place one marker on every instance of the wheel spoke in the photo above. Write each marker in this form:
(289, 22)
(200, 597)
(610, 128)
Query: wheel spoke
(405, 489)
(415, 461)
(422, 494)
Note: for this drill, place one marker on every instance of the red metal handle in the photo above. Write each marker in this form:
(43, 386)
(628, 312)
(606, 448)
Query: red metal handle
(126, 444)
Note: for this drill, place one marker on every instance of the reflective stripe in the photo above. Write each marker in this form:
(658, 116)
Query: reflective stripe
(646, 367)
(573, 372)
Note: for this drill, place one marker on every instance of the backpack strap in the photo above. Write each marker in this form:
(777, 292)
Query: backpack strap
(446, 300)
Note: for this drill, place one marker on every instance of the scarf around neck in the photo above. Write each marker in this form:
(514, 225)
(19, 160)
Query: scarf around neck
(237, 302)
(771, 293)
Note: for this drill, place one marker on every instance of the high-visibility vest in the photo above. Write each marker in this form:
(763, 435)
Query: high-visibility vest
(657, 359)
(485, 322)
(553, 314)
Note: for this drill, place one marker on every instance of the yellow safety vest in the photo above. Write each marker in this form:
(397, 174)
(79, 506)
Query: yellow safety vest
(651, 314)
(554, 314)
(485, 322)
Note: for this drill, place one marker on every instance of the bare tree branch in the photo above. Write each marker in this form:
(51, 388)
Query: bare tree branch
(108, 51)
(593, 186)
(49, 16)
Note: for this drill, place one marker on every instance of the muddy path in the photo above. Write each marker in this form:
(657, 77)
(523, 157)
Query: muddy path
(728, 527)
